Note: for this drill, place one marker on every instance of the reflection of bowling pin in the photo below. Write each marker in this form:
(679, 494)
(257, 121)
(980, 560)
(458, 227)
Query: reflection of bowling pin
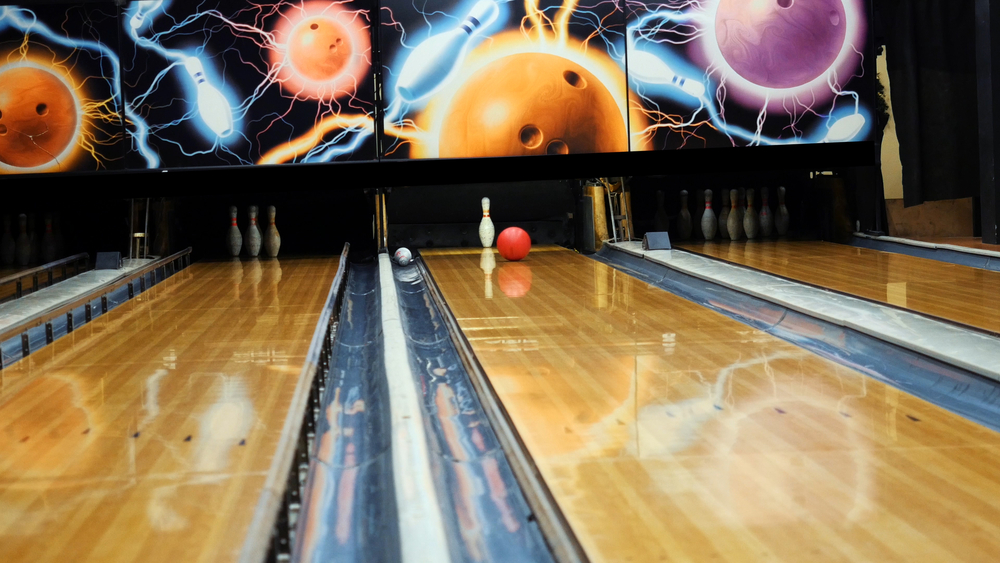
(647, 67)
(781, 219)
(684, 220)
(766, 222)
(750, 217)
(7, 245)
(272, 240)
(251, 239)
(486, 230)
(724, 215)
(432, 63)
(487, 261)
(213, 107)
(709, 222)
(22, 247)
(733, 221)
(234, 239)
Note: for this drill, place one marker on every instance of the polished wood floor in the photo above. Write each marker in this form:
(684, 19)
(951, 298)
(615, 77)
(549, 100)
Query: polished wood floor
(968, 242)
(958, 293)
(668, 432)
(147, 434)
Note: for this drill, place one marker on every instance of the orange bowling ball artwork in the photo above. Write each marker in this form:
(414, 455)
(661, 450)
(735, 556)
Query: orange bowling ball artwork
(39, 117)
(532, 104)
(319, 48)
(514, 243)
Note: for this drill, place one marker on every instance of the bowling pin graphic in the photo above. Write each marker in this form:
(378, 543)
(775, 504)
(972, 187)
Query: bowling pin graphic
(781, 219)
(143, 9)
(733, 221)
(646, 67)
(234, 239)
(272, 240)
(724, 215)
(486, 230)
(750, 217)
(213, 107)
(709, 222)
(684, 220)
(251, 239)
(766, 222)
(433, 62)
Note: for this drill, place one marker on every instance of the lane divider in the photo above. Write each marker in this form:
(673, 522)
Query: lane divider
(422, 535)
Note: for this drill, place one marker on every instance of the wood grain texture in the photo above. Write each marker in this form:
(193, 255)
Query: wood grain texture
(961, 294)
(968, 242)
(668, 432)
(147, 434)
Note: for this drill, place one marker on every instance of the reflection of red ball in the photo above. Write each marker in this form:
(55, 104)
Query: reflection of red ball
(514, 280)
(780, 43)
(319, 48)
(513, 243)
(531, 104)
(38, 116)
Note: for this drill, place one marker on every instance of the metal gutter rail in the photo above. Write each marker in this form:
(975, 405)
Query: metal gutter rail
(20, 340)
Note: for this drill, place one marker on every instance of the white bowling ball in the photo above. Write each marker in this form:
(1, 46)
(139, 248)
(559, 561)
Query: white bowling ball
(402, 256)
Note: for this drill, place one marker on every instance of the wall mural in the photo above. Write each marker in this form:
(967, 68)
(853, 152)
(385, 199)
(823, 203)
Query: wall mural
(231, 82)
(59, 89)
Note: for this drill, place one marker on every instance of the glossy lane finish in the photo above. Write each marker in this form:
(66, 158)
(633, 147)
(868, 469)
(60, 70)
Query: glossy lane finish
(961, 294)
(147, 434)
(668, 432)
(968, 242)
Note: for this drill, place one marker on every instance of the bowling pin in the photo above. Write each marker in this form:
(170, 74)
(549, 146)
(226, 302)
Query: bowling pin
(741, 211)
(32, 240)
(22, 247)
(272, 240)
(733, 221)
(260, 231)
(433, 62)
(781, 219)
(644, 66)
(234, 239)
(48, 241)
(684, 218)
(661, 221)
(486, 230)
(251, 240)
(213, 107)
(709, 222)
(724, 215)
(7, 245)
(750, 217)
(766, 222)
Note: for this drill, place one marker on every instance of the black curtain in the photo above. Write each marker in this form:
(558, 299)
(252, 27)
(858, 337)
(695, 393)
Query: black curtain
(931, 57)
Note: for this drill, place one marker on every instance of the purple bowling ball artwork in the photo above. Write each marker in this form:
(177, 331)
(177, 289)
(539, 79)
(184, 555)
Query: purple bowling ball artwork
(718, 73)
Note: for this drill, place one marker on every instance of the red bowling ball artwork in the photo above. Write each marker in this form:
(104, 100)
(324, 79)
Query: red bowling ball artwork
(228, 82)
(60, 106)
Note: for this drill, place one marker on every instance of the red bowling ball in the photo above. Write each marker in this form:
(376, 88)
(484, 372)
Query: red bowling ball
(513, 243)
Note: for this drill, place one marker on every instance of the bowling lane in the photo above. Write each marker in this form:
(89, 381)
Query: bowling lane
(147, 434)
(669, 432)
(957, 293)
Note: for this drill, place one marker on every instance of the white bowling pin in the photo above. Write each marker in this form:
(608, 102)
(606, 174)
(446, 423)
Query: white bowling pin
(781, 219)
(234, 239)
(733, 223)
(750, 217)
(684, 226)
(647, 67)
(486, 230)
(145, 7)
(724, 215)
(432, 63)
(251, 239)
(213, 107)
(272, 239)
(766, 221)
(709, 222)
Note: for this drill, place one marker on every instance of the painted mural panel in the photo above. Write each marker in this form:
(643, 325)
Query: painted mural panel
(59, 89)
(485, 78)
(230, 82)
(748, 72)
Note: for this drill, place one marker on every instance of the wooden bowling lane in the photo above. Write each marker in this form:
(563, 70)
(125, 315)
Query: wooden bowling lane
(147, 434)
(957, 293)
(667, 432)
